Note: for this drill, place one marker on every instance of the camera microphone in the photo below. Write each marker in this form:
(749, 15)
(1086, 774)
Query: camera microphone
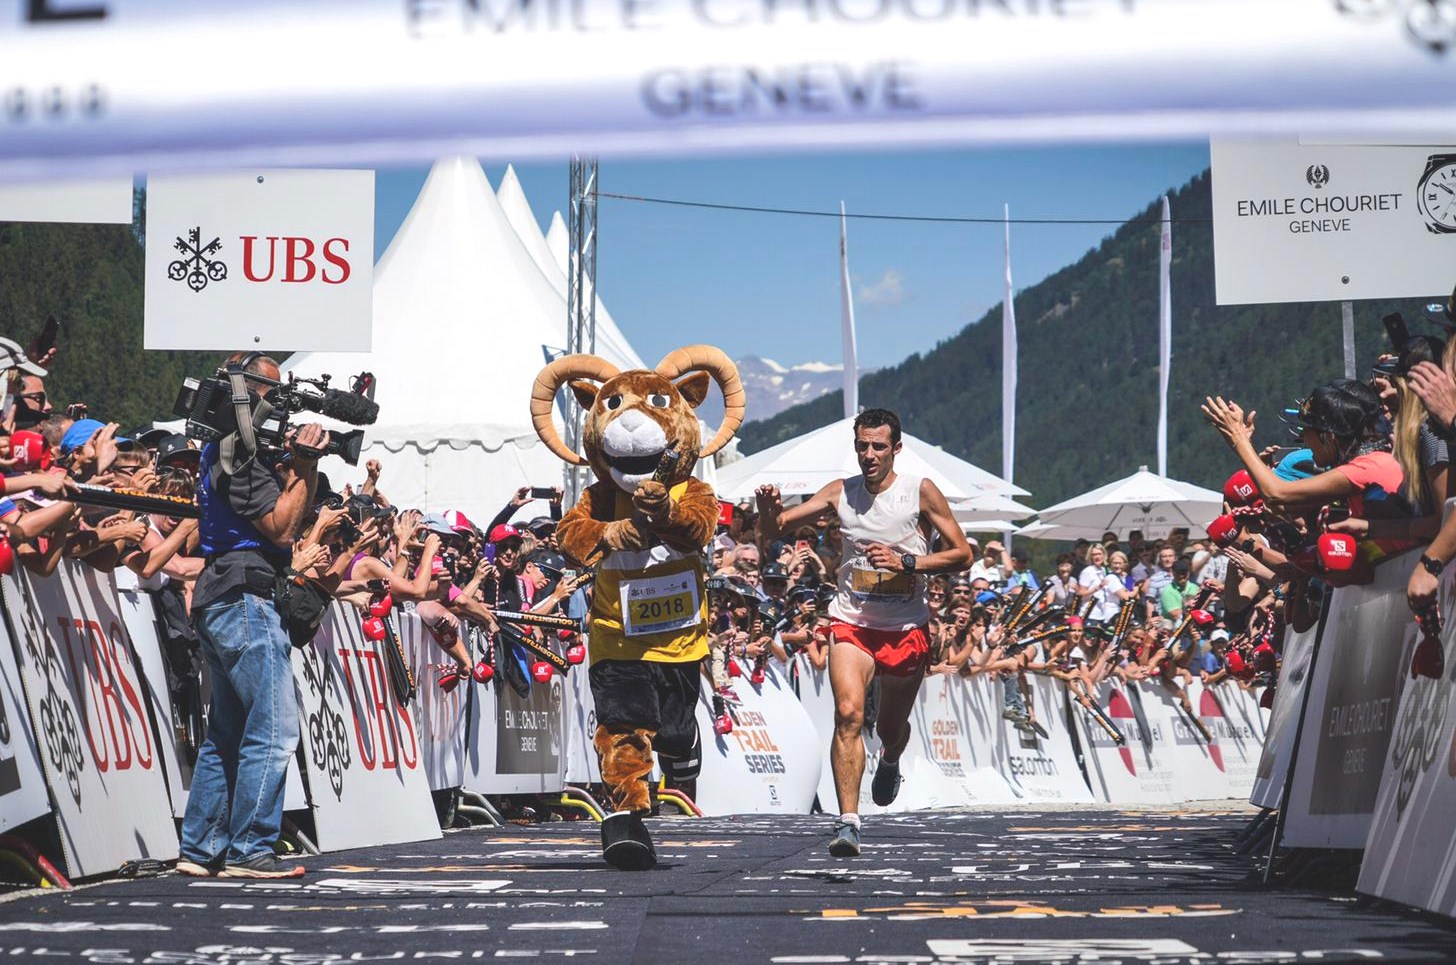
(356, 410)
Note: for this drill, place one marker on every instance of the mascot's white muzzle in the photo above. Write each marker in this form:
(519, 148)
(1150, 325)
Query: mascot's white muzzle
(633, 444)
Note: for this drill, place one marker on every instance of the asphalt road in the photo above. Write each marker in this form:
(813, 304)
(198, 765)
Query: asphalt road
(1080, 885)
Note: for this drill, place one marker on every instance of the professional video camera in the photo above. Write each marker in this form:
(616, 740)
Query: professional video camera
(214, 405)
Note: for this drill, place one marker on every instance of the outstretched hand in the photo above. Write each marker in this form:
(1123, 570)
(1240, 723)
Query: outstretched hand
(1229, 419)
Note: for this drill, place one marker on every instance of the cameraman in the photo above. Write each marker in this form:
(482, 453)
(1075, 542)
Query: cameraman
(250, 517)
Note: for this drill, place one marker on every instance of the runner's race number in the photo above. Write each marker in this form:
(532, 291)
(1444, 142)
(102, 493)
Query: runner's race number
(658, 604)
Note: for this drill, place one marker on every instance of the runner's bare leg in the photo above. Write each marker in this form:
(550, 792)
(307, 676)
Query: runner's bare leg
(897, 700)
(850, 673)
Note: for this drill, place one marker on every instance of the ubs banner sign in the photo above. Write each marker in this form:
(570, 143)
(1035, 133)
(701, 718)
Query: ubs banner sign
(261, 260)
(1311, 223)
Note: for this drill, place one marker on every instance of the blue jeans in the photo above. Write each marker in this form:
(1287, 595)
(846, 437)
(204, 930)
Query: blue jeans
(1011, 698)
(235, 805)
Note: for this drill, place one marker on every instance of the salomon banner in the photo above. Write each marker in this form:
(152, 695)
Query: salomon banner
(769, 762)
(118, 86)
(264, 259)
(23, 794)
(1040, 762)
(1410, 855)
(361, 749)
(1353, 696)
(88, 705)
(1319, 222)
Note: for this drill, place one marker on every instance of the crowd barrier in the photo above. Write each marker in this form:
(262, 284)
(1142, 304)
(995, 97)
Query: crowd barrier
(94, 738)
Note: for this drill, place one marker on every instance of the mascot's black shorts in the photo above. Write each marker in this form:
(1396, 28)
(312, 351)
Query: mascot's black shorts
(661, 697)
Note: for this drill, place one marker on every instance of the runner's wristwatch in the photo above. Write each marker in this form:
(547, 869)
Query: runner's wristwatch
(907, 562)
(1433, 567)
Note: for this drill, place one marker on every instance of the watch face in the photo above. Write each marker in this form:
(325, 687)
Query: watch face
(1437, 197)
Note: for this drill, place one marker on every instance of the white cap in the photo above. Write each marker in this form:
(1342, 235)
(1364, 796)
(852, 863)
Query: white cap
(12, 356)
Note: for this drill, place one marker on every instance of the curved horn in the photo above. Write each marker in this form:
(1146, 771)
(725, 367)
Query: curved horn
(710, 359)
(543, 395)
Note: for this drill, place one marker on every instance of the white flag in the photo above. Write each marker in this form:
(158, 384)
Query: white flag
(1165, 334)
(1008, 367)
(846, 302)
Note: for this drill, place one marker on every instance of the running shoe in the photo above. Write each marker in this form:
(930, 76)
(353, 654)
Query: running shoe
(845, 843)
(195, 869)
(886, 785)
(265, 865)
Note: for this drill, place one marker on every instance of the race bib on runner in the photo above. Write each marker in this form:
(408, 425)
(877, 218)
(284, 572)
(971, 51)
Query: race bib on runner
(656, 604)
(868, 583)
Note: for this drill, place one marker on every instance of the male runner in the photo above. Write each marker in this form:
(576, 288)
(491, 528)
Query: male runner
(878, 618)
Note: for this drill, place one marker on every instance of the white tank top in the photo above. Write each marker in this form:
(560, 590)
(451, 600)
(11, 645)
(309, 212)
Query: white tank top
(871, 598)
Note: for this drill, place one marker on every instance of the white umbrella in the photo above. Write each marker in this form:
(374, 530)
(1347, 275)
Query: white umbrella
(990, 508)
(805, 464)
(1146, 501)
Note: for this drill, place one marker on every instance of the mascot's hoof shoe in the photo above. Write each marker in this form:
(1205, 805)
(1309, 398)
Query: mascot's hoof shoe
(626, 845)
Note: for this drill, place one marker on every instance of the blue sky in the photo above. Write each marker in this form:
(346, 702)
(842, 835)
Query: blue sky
(769, 284)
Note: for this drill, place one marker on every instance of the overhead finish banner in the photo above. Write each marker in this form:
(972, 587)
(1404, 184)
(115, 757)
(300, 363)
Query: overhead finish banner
(124, 85)
(1319, 222)
(262, 259)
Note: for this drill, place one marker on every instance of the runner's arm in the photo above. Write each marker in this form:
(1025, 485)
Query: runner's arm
(957, 553)
(774, 520)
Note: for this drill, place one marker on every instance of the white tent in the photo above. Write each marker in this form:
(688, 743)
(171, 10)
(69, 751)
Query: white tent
(463, 321)
(989, 508)
(1145, 501)
(804, 464)
(611, 343)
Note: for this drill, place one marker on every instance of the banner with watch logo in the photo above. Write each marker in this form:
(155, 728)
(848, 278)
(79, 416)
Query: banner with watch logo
(385, 81)
(1307, 222)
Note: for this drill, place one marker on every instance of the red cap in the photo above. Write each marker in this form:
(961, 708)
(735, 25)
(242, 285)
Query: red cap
(722, 724)
(458, 521)
(1235, 662)
(373, 629)
(1336, 551)
(1075, 621)
(576, 654)
(381, 606)
(7, 557)
(482, 672)
(1223, 530)
(541, 672)
(502, 532)
(1240, 489)
(1201, 617)
(29, 451)
(725, 513)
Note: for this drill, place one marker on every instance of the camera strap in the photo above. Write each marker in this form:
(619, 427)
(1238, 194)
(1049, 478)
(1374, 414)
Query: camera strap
(247, 419)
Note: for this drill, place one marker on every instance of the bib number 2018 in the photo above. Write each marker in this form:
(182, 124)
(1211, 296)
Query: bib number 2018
(660, 603)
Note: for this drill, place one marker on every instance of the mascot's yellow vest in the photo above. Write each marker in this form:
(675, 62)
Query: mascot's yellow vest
(649, 604)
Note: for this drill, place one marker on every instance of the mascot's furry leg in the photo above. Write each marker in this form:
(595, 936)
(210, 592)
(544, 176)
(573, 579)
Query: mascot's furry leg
(626, 759)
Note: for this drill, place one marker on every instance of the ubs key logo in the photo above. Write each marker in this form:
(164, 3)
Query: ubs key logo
(1428, 23)
(197, 267)
(1317, 175)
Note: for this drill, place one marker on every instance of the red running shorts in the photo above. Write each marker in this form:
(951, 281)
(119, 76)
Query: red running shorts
(898, 653)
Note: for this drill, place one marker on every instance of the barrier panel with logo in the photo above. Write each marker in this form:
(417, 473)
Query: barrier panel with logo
(1227, 765)
(87, 704)
(440, 713)
(582, 764)
(1278, 749)
(515, 744)
(1354, 692)
(361, 747)
(1141, 770)
(139, 615)
(770, 761)
(22, 784)
(1410, 855)
(1041, 765)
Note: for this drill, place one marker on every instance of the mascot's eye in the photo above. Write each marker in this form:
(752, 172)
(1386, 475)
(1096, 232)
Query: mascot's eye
(658, 401)
(613, 403)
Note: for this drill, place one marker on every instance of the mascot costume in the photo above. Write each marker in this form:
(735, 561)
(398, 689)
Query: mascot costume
(642, 527)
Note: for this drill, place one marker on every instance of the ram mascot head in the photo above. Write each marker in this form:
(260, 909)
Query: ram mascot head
(635, 416)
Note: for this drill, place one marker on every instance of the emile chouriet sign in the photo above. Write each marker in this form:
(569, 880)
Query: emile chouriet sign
(1319, 222)
(118, 86)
